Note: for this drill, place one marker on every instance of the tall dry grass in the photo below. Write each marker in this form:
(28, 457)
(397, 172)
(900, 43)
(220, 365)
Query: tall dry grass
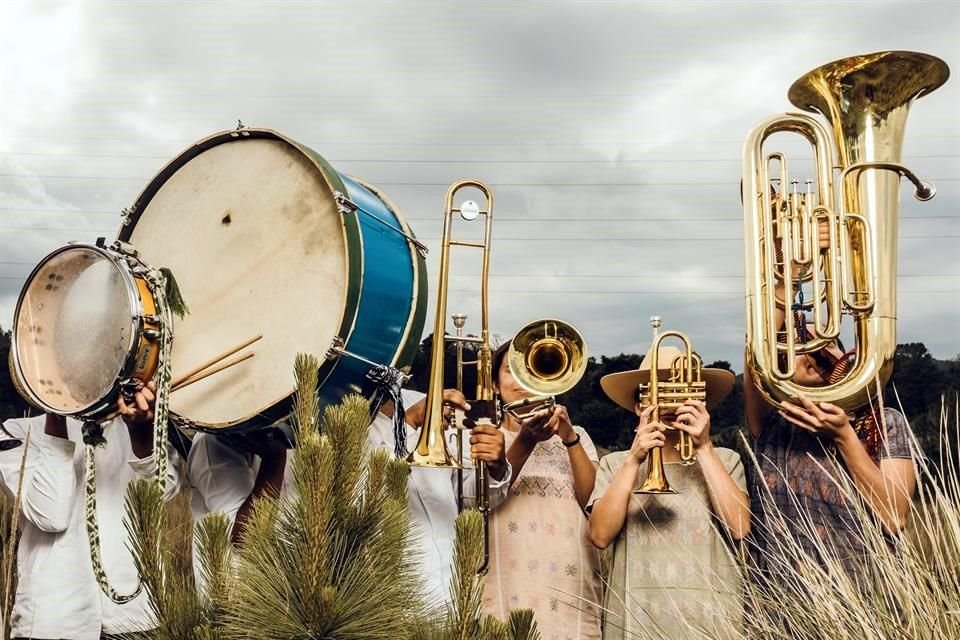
(907, 587)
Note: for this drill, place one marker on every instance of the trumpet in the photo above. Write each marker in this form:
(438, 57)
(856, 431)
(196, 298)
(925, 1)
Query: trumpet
(865, 100)
(431, 450)
(684, 382)
(546, 357)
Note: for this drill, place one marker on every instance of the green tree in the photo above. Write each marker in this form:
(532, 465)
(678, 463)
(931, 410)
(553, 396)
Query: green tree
(11, 404)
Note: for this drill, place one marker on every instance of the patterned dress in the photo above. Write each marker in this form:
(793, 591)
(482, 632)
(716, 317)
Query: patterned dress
(541, 556)
(673, 576)
(796, 490)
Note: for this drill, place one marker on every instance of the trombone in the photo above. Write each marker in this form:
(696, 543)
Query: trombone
(459, 321)
(546, 357)
(684, 382)
(431, 450)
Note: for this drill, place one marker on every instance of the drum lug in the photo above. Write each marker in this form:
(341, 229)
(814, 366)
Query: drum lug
(337, 349)
(126, 215)
(151, 334)
(151, 318)
(344, 204)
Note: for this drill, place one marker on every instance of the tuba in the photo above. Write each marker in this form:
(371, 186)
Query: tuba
(684, 383)
(546, 357)
(431, 450)
(865, 100)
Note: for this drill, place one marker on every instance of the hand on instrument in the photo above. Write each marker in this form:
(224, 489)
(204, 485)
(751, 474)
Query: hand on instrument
(452, 399)
(826, 419)
(139, 412)
(823, 234)
(649, 434)
(487, 445)
(538, 426)
(693, 418)
(561, 418)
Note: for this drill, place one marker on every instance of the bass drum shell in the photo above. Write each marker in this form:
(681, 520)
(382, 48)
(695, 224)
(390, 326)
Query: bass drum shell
(253, 227)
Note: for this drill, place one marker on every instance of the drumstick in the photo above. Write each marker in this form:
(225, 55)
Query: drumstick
(212, 361)
(209, 372)
(185, 382)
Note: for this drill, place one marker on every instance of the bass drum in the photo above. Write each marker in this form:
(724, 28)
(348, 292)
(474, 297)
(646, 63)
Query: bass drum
(264, 237)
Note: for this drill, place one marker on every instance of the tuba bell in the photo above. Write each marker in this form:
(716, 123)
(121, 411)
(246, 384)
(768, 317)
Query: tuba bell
(865, 100)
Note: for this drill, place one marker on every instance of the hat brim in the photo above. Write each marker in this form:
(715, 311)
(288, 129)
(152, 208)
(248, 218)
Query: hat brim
(621, 387)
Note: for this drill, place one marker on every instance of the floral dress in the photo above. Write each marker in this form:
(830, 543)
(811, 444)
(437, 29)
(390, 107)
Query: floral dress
(541, 556)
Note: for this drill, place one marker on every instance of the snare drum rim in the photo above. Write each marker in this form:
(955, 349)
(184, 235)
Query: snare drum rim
(280, 408)
(135, 306)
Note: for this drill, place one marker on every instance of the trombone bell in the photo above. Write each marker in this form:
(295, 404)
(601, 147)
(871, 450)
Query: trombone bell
(546, 357)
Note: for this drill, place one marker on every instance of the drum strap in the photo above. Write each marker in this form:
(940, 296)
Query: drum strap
(158, 283)
(388, 382)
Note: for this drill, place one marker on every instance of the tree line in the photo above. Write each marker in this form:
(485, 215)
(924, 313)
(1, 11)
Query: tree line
(918, 384)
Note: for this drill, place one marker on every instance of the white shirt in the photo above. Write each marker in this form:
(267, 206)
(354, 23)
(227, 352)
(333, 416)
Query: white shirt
(223, 477)
(57, 593)
(432, 503)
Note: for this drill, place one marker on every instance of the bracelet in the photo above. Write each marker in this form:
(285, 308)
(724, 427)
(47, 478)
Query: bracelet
(572, 443)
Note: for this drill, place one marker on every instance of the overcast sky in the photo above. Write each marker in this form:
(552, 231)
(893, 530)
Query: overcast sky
(610, 132)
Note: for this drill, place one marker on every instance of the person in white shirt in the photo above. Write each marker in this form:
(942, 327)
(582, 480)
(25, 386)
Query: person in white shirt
(228, 474)
(229, 480)
(432, 493)
(57, 592)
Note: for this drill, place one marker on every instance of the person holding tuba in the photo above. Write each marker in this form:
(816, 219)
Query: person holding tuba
(540, 550)
(57, 591)
(672, 573)
(819, 431)
(801, 449)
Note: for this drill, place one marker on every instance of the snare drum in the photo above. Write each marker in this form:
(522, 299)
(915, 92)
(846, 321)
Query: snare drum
(85, 329)
(265, 237)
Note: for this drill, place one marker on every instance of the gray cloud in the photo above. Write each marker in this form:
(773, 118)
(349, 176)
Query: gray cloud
(645, 105)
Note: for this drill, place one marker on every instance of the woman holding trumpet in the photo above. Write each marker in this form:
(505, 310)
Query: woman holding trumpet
(672, 573)
(541, 556)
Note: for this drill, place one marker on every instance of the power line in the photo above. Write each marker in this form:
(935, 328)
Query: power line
(656, 276)
(466, 160)
(473, 143)
(117, 213)
(537, 239)
(700, 183)
(739, 293)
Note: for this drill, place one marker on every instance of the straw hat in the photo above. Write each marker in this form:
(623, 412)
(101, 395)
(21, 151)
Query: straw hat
(621, 387)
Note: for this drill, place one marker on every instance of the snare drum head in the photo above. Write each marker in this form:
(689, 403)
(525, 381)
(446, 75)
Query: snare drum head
(252, 233)
(74, 329)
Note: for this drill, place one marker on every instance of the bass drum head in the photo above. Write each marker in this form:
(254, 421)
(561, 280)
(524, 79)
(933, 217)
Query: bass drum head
(74, 330)
(252, 233)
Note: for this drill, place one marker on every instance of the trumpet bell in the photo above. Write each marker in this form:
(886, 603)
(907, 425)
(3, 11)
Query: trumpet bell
(547, 357)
